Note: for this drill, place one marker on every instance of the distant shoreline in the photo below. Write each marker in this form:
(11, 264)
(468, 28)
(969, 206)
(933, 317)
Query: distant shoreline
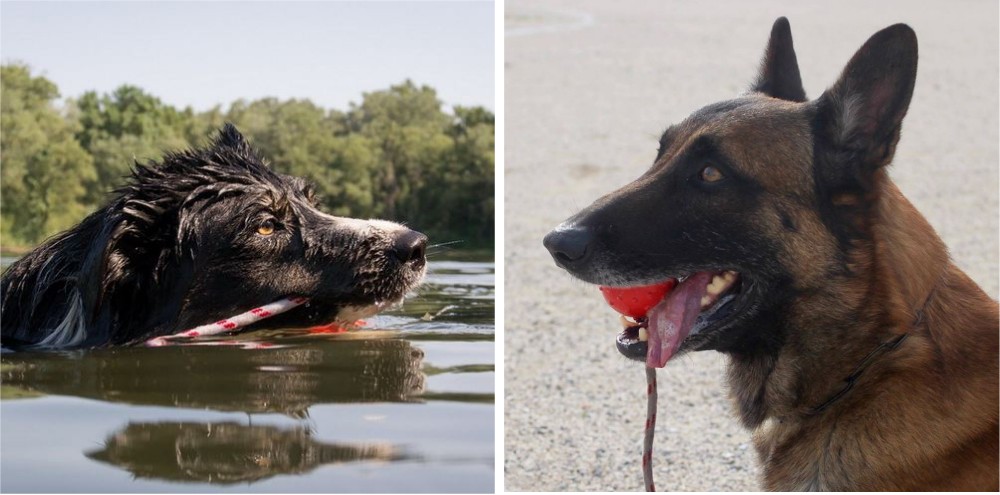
(14, 251)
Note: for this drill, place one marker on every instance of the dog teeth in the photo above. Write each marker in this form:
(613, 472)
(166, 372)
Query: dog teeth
(643, 334)
(720, 283)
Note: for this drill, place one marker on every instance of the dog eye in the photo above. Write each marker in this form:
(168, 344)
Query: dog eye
(711, 174)
(266, 227)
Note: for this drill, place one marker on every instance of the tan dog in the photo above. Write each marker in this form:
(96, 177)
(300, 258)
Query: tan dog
(861, 357)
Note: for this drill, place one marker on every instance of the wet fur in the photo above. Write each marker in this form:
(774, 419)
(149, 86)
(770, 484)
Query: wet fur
(837, 261)
(177, 247)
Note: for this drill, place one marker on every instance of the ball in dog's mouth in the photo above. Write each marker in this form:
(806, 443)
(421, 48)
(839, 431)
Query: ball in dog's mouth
(690, 305)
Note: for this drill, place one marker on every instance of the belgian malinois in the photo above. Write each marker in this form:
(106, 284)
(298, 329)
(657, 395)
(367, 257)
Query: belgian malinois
(861, 357)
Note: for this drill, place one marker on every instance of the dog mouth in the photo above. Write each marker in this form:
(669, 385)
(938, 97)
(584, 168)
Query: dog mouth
(352, 313)
(318, 312)
(698, 307)
(369, 296)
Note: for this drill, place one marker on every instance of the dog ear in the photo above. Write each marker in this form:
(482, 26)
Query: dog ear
(862, 113)
(86, 248)
(779, 71)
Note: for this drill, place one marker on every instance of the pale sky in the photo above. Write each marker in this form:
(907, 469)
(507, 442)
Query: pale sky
(207, 53)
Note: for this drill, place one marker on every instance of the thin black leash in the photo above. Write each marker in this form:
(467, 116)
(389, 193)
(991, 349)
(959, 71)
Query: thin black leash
(882, 348)
(647, 441)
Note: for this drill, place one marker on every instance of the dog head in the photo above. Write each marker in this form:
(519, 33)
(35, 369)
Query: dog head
(755, 204)
(206, 234)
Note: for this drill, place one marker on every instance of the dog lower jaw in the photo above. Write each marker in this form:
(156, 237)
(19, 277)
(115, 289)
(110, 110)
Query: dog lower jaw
(350, 314)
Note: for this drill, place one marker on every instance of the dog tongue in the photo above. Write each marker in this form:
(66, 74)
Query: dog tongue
(671, 320)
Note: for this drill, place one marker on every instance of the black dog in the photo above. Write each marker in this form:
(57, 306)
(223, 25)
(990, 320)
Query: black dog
(205, 235)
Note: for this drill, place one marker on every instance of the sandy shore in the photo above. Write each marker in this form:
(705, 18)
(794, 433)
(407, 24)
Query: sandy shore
(589, 87)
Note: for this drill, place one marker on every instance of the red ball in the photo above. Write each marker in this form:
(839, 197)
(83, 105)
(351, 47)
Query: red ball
(636, 301)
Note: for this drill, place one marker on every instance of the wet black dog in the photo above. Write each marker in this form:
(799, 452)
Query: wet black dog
(202, 236)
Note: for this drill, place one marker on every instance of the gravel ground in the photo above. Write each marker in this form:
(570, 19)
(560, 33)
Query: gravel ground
(589, 87)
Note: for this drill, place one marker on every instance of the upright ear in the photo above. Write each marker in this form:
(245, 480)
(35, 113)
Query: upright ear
(779, 71)
(861, 115)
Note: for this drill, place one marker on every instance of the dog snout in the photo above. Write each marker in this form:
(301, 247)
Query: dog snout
(410, 247)
(569, 246)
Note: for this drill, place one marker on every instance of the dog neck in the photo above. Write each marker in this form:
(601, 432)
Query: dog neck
(910, 257)
(892, 275)
(913, 322)
(895, 281)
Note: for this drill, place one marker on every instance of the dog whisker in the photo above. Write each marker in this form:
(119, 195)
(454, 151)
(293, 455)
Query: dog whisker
(445, 244)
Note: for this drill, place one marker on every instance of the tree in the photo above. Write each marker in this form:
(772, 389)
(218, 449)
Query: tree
(127, 125)
(406, 125)
(44, 169)
(396, 155)
(300, 138)
(467, 205)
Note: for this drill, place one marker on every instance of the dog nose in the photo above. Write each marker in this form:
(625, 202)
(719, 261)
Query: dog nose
(410, 247)
(568, 245)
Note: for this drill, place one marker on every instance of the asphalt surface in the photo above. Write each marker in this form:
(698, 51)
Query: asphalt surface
(590, 85)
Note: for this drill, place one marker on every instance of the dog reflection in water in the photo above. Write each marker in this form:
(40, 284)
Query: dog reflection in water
(283, 380)
(227, 453)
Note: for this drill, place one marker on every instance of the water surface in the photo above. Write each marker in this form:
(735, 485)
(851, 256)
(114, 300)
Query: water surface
(405, 405)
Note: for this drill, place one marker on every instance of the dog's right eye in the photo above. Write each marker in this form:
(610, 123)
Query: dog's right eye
(711, 174)
(266, 227)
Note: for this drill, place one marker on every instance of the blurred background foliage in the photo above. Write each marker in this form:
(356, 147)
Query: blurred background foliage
(397, 155)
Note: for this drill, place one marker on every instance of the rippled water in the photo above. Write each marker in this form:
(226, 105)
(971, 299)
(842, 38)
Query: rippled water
(403, 406)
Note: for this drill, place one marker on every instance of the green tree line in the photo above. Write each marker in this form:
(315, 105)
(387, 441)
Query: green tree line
(397, 155)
